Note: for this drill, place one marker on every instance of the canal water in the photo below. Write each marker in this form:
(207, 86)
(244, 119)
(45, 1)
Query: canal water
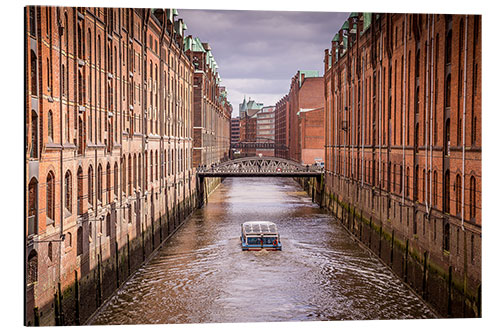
(201, 275)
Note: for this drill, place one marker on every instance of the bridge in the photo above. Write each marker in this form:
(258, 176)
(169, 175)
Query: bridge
(255, 166)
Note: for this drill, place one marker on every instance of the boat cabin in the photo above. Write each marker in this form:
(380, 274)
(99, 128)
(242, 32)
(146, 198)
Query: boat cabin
(258, 235)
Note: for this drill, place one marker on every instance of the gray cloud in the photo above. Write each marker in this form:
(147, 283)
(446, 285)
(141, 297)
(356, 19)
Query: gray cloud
(258, 52)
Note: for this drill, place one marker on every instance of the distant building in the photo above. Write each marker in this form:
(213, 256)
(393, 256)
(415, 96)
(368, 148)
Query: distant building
(306, 112)
(235, 130)
(248, 124)
(266, 130)
(282, 128)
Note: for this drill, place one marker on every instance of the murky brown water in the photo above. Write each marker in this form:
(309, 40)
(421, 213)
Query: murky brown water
(201, 275)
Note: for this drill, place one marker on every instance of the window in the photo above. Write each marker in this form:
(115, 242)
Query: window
(91, 186)
(447, 138)
(68, 190)
(32, 15)
(108, 184)
(115, 180)
(99, 183)
(50, 126)
(50, 195)
(448, 91)
(33, 207)
(79, 241)
(34, 135)
(32, 268)
(34, 83)
(458, 194)
(472, 198)
(79, 190)
(446, 203)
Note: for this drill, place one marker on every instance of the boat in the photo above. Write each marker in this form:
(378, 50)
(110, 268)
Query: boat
(259, 235)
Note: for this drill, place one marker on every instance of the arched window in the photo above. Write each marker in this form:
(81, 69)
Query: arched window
(139, 169)
(50, 126)
(91, 186)
(34, 135)
(33, 207)
(472, 197)
(446, 201)
(458, 195)
(34, 83)
(32, 268)
(79, 191)
(68, 191)
(99, 183)
(50, 195)
(79, 241)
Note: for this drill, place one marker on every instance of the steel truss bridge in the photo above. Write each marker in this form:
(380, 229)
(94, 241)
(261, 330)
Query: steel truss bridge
(254, 167)
(260, 167)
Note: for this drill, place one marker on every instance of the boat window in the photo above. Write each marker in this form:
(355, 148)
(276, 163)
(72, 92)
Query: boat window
(269, 240)
(253, 240)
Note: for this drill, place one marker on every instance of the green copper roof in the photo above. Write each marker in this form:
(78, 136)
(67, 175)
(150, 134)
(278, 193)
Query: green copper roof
(188, 43)
(335, 38)
(184, 26)
(175, 12)
(345, 26)
(353, 15)
(197, 45)
(367, 20)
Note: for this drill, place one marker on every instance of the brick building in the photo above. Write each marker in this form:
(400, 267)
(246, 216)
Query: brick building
(212, 112)
(282, 128)
(235, 130)
(248, 124)
(403, 142)
(265, 130)
(109, 167)
(306, 138)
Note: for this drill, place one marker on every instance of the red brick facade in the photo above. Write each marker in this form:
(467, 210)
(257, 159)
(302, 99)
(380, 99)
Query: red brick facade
(306, 137)
(109, 99)
(403, 132)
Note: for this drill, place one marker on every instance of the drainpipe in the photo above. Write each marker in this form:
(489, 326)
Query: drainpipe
(335, 125)
(61, 232)
(404, 118)
(380, 115)
(432, 106)
(363, 123)
(426, 119)
(343, 120)
(463, 122)
(352, 123)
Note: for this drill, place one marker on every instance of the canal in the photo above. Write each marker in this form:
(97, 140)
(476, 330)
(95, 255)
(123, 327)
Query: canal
(200, 275)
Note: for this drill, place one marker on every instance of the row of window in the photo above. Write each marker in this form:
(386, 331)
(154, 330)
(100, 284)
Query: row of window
(394, 183)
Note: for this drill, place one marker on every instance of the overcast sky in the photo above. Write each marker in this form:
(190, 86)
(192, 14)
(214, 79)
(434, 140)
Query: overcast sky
(258, 52)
